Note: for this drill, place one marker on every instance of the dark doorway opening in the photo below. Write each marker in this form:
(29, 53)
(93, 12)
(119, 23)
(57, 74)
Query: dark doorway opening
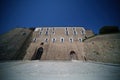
(73, 55)
(38, 53)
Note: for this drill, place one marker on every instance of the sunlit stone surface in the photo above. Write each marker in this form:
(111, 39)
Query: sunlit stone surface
(58, 70)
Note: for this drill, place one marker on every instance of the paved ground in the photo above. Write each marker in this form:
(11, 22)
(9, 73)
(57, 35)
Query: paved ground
(58, 70)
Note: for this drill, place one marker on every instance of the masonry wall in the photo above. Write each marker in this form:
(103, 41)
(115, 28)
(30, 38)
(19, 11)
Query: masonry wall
(11, 43)
(58, 50)
(103, 48)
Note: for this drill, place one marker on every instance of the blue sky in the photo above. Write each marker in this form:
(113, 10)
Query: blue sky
(91, 14)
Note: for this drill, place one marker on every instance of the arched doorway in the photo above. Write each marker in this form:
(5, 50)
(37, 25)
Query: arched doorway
(73, 55)
(38, 53)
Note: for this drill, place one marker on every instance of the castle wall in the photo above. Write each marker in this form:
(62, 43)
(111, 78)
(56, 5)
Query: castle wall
(11, 43)
(58, 42)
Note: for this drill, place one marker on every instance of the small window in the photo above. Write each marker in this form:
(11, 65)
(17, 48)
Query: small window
(53, 40)
(53, 29)
(75, 32)
(34, 39)
(66, 29)
(42, 43)
(40, 32)
(67, 33)
(80, 39)
(83, 31)
(62, 39)
(71, 40)
(46, 33)
(46, 40)
(47, 29)
(53, 32)
(41, 29)
(74, 28)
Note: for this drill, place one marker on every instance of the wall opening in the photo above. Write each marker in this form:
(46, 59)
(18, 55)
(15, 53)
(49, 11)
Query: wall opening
(46, 40)
(71, 40)
(53, 40)
(46, 33)
(38, 53)
(42, 43)
(67, 33)
(61, 39)
(80, 39)
(34, 39)
(40, 32)
(73, 55)
(75, 32)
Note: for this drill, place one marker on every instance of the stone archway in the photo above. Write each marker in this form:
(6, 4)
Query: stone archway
(73, 55)
(38, 53)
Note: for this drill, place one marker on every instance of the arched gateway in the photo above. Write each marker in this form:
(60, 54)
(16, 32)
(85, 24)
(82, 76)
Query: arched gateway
(73, 55)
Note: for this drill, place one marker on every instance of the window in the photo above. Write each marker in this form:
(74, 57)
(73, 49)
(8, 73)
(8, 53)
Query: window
(53, 32)
(66, 29)
(41, 29)
(53, 29)
(75, 32)
(47, 29)
(42, 43)
(83, 31)
(40, 32)
(34, 39)
(53, 40)
(62, 39)
(74, 29)
(46, 40)
(66, 32)
(46, 33)
(71, 40)
(80, 39)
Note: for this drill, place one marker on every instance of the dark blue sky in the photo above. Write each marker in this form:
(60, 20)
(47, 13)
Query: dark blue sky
(91, 14)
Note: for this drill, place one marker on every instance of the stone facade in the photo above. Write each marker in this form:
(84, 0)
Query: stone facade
(58, 43)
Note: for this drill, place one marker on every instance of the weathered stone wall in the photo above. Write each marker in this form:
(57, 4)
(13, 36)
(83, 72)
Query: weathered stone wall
(103, 48)
(58, 50)
(11, 42)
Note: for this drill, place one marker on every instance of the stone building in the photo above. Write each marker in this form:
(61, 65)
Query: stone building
(58, 43)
